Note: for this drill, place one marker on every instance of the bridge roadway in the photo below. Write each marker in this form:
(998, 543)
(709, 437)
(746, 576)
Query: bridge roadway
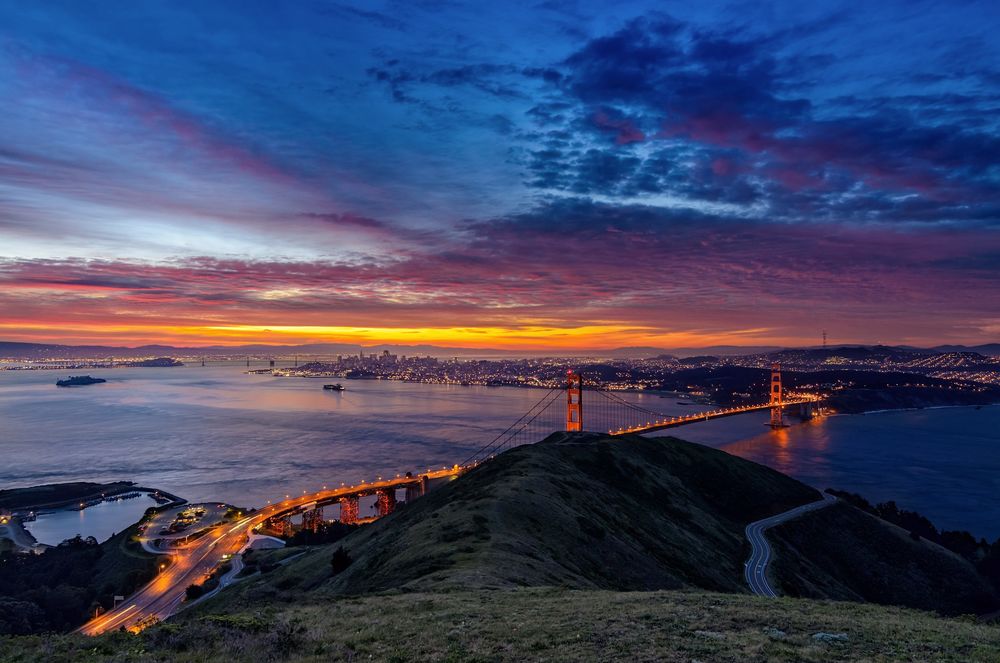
(194, 562)
(674, 422)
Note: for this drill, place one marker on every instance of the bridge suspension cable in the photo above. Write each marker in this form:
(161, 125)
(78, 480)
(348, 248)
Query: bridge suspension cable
(632, 406)
(614, 413)
(507, 438)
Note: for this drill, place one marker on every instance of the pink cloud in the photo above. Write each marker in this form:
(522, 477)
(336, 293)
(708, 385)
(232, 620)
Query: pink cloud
(626, 132)
(681, 275)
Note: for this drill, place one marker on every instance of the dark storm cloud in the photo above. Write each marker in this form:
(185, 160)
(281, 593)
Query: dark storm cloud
(749, 132)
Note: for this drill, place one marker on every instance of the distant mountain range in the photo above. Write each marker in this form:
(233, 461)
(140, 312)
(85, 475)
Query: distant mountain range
(989, 349)
(36, 351)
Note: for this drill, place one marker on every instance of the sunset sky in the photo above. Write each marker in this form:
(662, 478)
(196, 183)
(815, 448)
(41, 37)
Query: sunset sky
(500, 175)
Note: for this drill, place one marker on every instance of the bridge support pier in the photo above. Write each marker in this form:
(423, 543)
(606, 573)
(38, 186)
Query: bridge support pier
(349, 510)
(311, 520)
(386, 503)
(806, 411)
(282, 526)
(419, 490)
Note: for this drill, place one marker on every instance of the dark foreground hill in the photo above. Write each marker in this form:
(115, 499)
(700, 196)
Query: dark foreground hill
(588, 511)
(583, 511)
(580, 548)
(820, 557)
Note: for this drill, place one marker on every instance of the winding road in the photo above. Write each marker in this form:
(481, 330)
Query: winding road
(760, 555)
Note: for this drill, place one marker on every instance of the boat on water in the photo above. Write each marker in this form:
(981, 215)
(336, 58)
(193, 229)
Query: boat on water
(334, 387)
(79, 381)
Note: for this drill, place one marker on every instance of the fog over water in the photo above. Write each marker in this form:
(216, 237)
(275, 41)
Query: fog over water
(215, 433)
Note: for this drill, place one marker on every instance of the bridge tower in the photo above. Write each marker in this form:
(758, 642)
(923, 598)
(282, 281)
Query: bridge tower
(574, 401)
(313, 519)
(776, 397)
(416, 490)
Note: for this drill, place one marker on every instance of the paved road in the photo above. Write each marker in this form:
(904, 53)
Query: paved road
(162, 597)
(760, 555)
(194, 562)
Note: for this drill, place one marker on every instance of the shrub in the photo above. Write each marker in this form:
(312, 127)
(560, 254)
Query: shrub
(340, 561)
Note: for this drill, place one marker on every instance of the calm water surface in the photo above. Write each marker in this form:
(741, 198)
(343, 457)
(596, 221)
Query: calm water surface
(100, 521)
(214, 433)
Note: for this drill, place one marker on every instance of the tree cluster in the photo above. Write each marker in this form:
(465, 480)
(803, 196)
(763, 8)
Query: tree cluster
(983, 555)
(59, 589)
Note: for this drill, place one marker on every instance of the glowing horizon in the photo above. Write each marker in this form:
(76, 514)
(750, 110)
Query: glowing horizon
(533, 339)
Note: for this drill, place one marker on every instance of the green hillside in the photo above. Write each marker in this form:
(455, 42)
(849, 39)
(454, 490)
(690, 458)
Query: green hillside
(581, 548)
(583, 511)
(589, 511)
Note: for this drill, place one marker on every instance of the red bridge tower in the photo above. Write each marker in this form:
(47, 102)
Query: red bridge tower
(574, 401)
(776, 397)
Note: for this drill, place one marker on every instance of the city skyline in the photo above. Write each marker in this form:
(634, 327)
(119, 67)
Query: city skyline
(561, 176)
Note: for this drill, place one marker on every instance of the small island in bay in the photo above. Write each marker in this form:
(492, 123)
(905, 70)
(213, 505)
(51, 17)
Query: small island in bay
(79, 381)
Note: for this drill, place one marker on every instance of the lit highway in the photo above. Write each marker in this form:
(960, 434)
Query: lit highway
(195, 562)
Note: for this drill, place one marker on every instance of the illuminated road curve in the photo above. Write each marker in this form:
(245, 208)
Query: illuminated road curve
(755, 572)
(673, 422)
(192, 564)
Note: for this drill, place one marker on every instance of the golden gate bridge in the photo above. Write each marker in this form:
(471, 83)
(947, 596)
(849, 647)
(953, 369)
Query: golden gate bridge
(559, 408)
(607, 412)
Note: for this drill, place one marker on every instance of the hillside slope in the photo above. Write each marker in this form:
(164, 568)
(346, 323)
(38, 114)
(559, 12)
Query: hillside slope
(820, 557)
(523, 559)
(589, 511)
(578, 510)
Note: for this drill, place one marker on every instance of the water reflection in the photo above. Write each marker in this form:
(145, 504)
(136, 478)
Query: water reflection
(797, 450)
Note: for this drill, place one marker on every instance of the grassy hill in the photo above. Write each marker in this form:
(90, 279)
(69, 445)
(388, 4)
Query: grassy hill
(583, 511)
(582, 547)
(587, 511)
(534, 625)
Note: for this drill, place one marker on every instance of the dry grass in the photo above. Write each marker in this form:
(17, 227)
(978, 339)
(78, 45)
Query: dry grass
(537, 625)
